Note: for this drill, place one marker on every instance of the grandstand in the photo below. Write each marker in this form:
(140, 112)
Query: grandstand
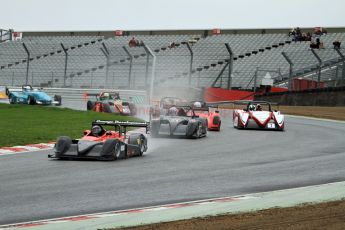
(233, 59)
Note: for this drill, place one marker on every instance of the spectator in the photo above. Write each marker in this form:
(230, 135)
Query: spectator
(133, 42)
(336, 44)
(172, 45)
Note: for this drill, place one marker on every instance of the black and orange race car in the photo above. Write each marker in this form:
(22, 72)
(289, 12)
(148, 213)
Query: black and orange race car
(110, 102)
(101, 144)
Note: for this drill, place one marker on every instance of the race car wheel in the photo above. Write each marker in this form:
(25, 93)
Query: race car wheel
(117, 150)
(31, 100)
(198, 131)
(58, 99)
(11, 100)
(111, 149)
(90, 105)
(140, 141)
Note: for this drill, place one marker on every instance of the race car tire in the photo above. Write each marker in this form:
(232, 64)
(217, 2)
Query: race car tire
(11, 99)
(58, 98)
(106, 108)
(31, 100)
(111, 149)
(90, 105)
(139, 140)
(62, 145)
(154, 128)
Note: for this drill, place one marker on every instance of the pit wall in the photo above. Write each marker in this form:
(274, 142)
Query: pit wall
(332, 96)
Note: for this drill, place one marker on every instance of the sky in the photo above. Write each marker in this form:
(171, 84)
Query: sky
(100, 15)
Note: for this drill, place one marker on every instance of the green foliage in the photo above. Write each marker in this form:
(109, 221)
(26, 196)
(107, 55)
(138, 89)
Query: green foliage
(24, 124)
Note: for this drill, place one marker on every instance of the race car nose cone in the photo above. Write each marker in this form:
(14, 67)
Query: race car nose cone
(84, 146)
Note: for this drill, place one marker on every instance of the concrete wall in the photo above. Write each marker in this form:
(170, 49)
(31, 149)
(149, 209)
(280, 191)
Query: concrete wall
(321, 97)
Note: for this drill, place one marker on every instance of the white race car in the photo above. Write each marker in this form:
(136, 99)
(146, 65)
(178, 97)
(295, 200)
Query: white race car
(258, 115)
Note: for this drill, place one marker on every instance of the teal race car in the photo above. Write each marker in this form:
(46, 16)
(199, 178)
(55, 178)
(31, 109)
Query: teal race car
(30, 96)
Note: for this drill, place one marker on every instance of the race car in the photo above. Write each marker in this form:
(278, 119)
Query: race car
(110, 102)
(254, 116)
(30, 96)
(101, 144)
(162, 106)
(212, 116)
(179, 121)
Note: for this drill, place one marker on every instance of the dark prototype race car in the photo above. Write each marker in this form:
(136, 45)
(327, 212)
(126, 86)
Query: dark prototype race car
(110, 102)
(101, 144)
(180, 121)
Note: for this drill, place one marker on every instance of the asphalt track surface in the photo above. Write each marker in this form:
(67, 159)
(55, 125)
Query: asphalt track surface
(226, 163)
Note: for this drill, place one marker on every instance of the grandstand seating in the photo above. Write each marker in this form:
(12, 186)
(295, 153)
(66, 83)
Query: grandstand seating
(87, 64)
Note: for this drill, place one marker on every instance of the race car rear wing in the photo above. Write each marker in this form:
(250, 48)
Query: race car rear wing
(124, 124)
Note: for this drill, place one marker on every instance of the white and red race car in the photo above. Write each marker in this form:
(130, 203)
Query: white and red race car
(258, 115)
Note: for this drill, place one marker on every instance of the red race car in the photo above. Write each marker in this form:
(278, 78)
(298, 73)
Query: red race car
(110, 102)
(101, 144)
(213, 118)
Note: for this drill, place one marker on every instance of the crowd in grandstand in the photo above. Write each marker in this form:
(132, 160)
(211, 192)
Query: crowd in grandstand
(314, 39)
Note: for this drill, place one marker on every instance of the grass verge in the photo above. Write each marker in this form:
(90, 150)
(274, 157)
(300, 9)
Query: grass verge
(23, 124)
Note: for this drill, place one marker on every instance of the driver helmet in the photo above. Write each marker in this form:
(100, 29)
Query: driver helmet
(173, 111)
(252, 107)
(96, 130)
(197, 104)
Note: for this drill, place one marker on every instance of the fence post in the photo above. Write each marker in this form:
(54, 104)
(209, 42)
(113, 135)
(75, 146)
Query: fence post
(66, 61)
(27, 64)
(290, 86)
(106, 53)
(148, 50)
(320, 66)
(52, 85)
(343, 70)
(231, 61)
(130, 66)
(190, 63)
(12, 78)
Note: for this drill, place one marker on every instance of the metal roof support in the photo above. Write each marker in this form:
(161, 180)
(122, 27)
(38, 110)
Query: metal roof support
(27, 64)
(290, 87)
(130, 66)
(320, 66)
